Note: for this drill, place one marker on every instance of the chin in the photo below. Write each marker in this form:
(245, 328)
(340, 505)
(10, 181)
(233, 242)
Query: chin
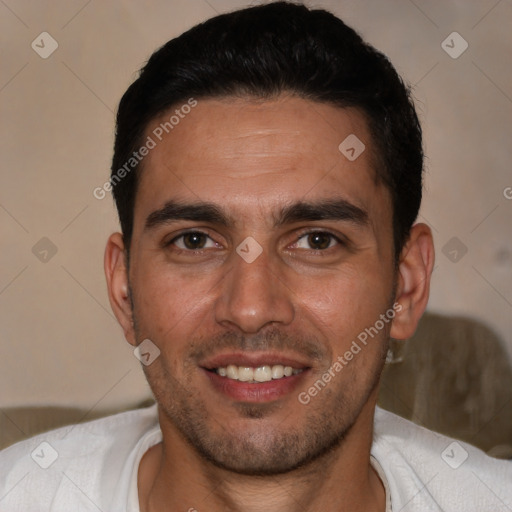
(257, 445)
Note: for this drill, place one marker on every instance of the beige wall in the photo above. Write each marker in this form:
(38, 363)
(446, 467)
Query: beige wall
(59, 341)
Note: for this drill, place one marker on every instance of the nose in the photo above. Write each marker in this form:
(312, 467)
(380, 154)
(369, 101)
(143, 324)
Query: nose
(254, 294)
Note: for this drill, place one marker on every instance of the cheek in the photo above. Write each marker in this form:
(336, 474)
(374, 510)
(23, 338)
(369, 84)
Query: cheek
(356, 293)
(169, 305)
(345, 304)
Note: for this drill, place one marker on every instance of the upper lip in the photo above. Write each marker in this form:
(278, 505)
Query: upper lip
(254, 360)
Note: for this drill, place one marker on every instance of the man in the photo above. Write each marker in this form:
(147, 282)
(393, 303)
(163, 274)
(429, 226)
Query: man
(267, 172)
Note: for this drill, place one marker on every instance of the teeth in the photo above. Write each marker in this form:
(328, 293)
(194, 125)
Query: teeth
(260, 374)
(231, 371)
(245, 374)
(277, 371)
(263, 374)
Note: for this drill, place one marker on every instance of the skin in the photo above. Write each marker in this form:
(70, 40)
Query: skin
(306, 297)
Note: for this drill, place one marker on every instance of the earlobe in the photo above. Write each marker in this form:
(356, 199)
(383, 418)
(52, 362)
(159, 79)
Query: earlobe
(414, 274)
(116, 273)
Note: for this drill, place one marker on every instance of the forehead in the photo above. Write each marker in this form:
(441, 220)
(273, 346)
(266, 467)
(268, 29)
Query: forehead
(251, 156)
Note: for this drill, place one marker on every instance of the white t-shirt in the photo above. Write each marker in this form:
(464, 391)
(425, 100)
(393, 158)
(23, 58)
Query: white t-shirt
(93, 467)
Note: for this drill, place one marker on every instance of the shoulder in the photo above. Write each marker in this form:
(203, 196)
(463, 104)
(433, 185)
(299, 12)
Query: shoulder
(426, 470)
(88, 457)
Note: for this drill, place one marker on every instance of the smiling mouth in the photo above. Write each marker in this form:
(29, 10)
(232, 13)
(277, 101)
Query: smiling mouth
(254, 375)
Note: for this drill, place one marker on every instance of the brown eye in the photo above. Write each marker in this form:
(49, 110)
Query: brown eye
(193, 241)
(317, 241)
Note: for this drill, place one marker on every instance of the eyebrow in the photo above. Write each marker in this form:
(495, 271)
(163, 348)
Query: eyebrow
(301, 211)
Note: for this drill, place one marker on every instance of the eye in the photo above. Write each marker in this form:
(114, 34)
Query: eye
(317, 240)
(193, 241)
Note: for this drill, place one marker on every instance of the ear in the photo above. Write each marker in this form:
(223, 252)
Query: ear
(116, 272)
(413, 287)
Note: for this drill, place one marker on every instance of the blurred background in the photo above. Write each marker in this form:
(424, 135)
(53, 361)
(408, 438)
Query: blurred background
(65, 65)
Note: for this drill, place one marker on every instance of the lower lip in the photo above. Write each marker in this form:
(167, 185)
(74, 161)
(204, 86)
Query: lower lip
(255, 392)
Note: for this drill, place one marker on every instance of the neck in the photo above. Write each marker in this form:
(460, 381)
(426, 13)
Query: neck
(172, 476)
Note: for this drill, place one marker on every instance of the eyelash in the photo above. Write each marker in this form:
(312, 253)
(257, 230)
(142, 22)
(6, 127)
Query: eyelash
(302, 235)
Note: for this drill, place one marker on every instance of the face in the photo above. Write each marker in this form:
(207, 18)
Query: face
(260, 249)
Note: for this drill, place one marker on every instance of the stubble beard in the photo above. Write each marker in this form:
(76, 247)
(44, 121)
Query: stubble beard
(266, 450)
(265, 447)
